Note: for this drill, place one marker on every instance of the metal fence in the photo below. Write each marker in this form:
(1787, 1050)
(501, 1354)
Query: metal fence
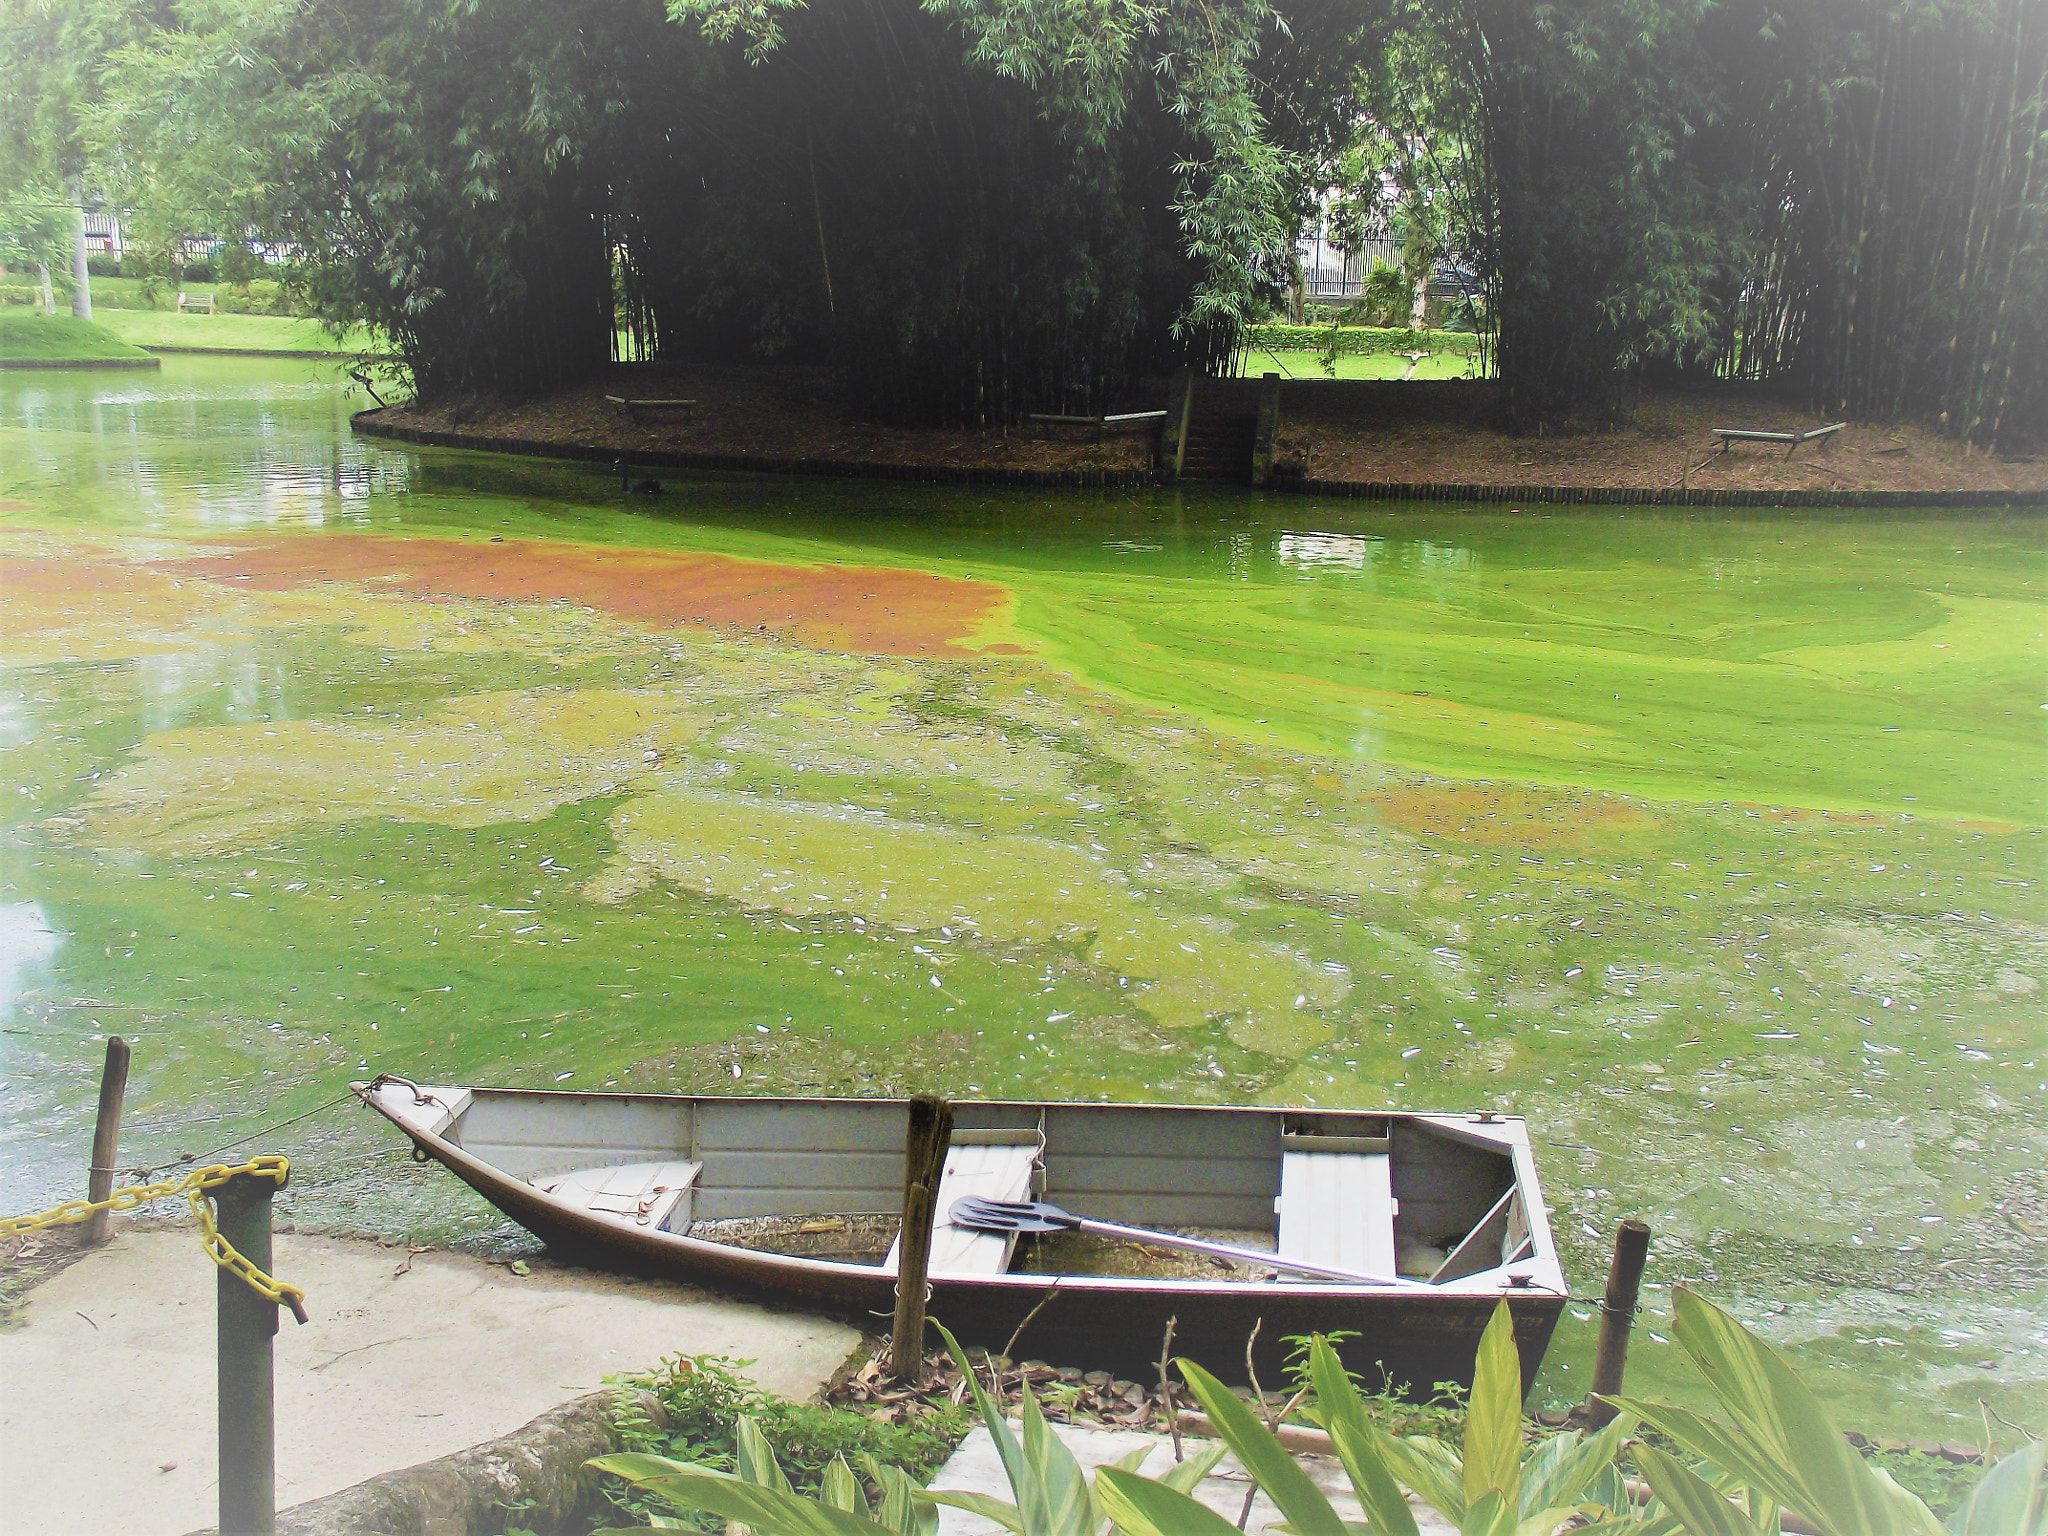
(1330, 273)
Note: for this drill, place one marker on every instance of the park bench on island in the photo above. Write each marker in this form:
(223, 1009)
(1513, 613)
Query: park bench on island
(195, 303)
(633, 408)
(1129, 421)
(1730, 435)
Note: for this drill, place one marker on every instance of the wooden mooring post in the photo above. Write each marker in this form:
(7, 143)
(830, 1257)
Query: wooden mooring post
(929, 1134)
(247, 1325)
(1617, 1316)
(106, 1138)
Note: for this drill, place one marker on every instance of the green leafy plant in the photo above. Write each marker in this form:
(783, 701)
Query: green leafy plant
(1775, 1450)
(1778, 1446)
(1053, 1495)
(757, 1493)
(1486, 1485)
(706, 1398)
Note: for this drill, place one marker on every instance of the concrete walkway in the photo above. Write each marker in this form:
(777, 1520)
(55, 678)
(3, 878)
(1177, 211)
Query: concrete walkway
(107, 1391)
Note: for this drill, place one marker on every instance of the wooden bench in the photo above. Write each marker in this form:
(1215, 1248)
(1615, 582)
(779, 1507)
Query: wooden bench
(1337, 1203)
(996, 1165)
(195, 303)
(1128, 421)
(1791, 439)
(633, 408)
(653, 1195)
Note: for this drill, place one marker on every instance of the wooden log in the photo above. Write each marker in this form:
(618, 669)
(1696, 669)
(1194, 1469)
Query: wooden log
(106, 1138)
(1173, 432)
(925, 1142)
(1617, 1316)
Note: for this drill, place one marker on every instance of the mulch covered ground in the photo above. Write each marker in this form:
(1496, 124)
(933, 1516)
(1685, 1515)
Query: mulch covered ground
(1669, 443)
(1432, 433)
(768, 412)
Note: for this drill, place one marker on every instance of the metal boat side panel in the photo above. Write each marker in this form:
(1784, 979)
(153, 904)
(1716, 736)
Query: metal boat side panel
(1444, 1186)
(1164, 1166)
(529, 1133)
(1406, 1340)
(764, 1158)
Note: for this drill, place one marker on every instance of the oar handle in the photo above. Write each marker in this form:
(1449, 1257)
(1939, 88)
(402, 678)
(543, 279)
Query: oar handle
(1246, 1255)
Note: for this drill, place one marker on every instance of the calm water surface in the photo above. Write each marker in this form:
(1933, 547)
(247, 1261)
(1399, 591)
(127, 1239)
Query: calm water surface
(1713, 843)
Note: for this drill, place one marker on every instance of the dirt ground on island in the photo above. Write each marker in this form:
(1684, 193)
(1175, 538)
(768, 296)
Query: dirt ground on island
(1669, 443)
(1334, 430)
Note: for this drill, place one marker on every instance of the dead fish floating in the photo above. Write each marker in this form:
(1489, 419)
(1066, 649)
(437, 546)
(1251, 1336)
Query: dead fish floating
(1433, 1217)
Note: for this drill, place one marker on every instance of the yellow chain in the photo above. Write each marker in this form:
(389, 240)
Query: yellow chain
(193, 1185)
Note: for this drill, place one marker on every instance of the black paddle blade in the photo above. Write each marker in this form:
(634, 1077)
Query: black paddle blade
(979, 1215)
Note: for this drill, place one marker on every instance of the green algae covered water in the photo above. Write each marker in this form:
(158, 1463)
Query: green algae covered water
(1712, 842)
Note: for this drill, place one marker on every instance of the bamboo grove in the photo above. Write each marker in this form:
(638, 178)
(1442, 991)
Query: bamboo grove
(973, 209)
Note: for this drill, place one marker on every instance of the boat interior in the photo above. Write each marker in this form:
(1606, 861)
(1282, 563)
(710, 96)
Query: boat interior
(1437, 1198)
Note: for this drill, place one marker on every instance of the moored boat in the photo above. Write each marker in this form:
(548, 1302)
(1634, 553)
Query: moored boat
(1439, 1215)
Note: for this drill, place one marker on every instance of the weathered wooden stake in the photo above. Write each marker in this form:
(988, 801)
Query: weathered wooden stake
(1617, 1316)
(924, 1160)
(246, 1323)
(106, 1138)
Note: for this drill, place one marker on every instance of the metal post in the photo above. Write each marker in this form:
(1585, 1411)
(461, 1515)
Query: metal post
(1617, 1316)
(247, 1324)
(924, 1160)
(106, 1138)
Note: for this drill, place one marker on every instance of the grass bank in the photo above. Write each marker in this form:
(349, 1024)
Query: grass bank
(1350, 365)
(29, 337)
(230, 333)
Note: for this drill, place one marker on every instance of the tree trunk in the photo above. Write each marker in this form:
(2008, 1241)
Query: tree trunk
(49, 298)
(81, 275)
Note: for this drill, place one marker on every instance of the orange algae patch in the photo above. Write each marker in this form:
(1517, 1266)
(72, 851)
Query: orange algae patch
(1505, 817)
(59, 608)
(870, 609)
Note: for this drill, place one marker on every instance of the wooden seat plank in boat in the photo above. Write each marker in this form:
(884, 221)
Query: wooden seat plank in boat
(636, 1194)
(1337, 1206)
(993, 1170)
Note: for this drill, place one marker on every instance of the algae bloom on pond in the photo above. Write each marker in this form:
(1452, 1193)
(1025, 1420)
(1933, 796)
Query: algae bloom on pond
(1710, 842)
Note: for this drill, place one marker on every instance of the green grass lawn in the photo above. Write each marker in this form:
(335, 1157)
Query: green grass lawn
(27, 336)
(1309, 365)
(229, 333)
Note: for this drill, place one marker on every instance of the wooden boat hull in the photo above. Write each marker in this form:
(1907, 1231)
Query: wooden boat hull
(1411, 1337)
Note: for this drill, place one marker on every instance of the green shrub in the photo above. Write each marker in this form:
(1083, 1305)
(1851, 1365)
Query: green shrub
(264, 296)
(202, 272)
(20, 293)
(1388, 295)
(705, 1396)
(103, 266)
